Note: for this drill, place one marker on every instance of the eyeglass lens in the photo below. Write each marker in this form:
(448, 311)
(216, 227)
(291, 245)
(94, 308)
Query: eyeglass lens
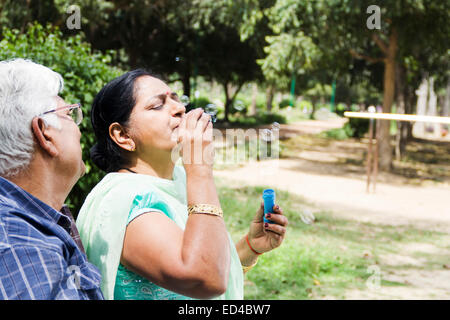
(77, 115)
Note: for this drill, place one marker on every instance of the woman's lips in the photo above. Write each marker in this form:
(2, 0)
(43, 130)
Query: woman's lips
(175, 133)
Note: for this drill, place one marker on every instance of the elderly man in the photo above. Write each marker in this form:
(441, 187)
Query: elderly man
(40, 161)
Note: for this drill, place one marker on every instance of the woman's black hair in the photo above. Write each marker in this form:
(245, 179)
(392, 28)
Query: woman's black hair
(114, 103)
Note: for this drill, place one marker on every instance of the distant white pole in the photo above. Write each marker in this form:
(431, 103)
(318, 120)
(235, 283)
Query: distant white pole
(398, 117)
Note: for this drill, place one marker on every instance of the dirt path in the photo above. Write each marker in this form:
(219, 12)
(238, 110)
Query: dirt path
(346, 196)
(317, 174)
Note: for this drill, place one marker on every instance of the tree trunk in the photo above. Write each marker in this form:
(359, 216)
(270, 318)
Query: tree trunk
(270, 91)
(402, 133)
(186, 82)
(227, 101)
(446, 105)
(410, 102)
(314, 107)
(252, 110)
(384, 138)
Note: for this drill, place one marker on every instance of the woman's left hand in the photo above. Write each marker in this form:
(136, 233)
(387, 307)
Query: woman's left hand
(264, 237)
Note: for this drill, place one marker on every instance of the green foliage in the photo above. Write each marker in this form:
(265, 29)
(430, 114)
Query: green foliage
(318, 91)
(356, 127)
(85, 72)
(268, 117)
(288, 54)
(285, 103)
(258, 119)
(337, 134)
(200, 102)
(340, 109)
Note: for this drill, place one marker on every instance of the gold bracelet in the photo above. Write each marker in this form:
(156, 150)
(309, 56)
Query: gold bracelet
(247, 268)
(205, 209)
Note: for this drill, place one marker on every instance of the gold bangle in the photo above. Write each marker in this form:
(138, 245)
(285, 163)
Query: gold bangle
(247, 268)
(205, 209)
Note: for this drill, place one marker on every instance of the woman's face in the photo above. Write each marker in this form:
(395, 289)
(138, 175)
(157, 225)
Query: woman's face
(155, 118)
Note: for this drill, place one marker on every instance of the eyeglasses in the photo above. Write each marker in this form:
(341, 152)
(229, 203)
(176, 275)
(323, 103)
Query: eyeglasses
(74, 111)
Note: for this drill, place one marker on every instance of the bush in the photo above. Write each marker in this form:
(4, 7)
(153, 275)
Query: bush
(356, 127)
(285, 103)
(337, 134)
(305, 104)
(85, 72)
(258, 119)
(200, 102)
(268, 118)
(340, 109)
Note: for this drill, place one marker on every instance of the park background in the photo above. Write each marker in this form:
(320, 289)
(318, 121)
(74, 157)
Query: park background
(297, 65)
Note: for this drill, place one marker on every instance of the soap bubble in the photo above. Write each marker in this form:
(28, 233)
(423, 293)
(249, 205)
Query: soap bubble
(211, 109)
(307, 216)
(275, 126)
(266, 135)
(185, 100)
(239, 105)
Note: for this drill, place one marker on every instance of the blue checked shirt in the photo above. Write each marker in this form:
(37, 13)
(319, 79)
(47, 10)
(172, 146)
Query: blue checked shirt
(38, 257)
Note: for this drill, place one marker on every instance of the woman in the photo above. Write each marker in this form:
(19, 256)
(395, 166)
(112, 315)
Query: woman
(135, 223)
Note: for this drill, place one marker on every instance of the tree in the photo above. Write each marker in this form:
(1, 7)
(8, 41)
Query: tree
(177, 40)
(338, 30)
(230, 61)
(85, 72)
(408, 27)
(19, 13)
(288, 52)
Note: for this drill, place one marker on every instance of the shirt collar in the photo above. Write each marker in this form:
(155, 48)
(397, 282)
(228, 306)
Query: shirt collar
(27, 201)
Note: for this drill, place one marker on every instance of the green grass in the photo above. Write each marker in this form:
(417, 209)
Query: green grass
(336, 134)
(262, 118)
(319, 260)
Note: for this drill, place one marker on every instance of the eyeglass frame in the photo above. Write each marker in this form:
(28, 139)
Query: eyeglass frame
(70, 106)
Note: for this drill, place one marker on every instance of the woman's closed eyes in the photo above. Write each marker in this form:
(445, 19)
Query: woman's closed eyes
(161, 100)
(158, 107)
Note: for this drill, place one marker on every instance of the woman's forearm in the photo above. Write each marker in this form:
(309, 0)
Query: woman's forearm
(205, 241)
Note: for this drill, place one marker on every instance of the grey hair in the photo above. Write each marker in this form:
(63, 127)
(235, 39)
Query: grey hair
(27, 89)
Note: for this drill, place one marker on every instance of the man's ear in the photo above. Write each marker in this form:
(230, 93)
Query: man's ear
(43, 138)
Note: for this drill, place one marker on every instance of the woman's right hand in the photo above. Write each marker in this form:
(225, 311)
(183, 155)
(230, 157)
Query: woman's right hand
(195, 135)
